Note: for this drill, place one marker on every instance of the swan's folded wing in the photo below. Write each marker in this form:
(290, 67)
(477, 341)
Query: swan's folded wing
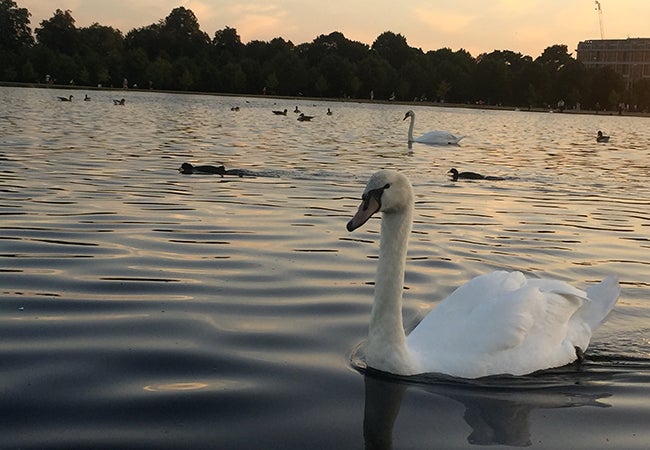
(497, 320)
(504, 322)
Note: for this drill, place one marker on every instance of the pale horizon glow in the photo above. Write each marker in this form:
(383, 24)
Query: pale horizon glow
(526, 27)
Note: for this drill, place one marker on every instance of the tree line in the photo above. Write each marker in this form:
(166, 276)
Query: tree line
(175, 54)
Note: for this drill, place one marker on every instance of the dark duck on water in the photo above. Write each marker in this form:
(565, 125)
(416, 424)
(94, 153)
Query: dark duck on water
(455, 176)
(189, 169)
(601, 137)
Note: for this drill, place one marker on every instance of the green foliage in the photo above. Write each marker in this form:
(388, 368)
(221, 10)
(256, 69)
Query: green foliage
(175, 54)
(59, 33)
(14, 26)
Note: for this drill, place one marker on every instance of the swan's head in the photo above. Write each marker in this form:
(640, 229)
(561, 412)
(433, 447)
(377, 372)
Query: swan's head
(387, 191)
(408, 114)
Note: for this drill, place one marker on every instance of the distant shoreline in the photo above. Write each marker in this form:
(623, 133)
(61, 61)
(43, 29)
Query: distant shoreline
(338, 100)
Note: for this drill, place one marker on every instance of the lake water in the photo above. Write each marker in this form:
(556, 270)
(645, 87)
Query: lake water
(143, 308)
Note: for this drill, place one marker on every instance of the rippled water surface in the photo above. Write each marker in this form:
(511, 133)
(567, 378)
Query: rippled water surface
(143, 308)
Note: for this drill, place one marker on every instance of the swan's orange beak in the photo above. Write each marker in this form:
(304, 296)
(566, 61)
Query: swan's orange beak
(368, 207)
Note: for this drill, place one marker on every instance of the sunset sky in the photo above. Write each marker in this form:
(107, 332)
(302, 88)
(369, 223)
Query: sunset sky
(525, 26)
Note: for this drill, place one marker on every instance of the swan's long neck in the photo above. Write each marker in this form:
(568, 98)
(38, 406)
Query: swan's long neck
(386, 347)
(411, 125)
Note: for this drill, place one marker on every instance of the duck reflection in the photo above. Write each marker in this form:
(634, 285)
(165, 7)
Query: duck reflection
(498, 412)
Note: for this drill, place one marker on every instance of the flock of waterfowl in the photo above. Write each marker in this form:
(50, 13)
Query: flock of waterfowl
(500, 323)
(302, 117)
(435, 137)
(69, 98)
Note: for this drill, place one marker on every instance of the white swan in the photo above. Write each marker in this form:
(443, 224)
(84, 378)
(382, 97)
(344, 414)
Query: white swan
(498, 323)
(432, 137)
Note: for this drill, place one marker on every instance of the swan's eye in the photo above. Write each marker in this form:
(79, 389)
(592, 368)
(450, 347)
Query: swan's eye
(373, 194)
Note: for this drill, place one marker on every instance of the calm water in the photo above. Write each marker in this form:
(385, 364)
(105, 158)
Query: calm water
(142, 308)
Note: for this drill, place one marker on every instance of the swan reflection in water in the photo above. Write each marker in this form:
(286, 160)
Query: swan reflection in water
(498, 410)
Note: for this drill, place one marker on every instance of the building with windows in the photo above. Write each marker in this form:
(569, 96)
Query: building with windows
(629, 57)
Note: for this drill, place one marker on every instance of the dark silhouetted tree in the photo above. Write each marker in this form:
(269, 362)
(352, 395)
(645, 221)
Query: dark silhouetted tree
(14, 26)
(59, 33)
(181, 35)
(228, 44)
(393, 48)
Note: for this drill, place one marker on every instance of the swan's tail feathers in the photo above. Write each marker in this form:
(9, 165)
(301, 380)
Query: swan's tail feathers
(602, 298)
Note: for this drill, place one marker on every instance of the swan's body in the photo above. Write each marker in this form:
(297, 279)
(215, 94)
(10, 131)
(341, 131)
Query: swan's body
(498, 323)
(432, 137)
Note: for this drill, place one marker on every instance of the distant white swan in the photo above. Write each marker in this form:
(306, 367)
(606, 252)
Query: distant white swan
(432, 137)
(498, 323)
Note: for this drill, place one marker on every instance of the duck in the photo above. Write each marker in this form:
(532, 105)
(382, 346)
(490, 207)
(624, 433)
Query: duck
(304, 118)
(234, 108)
(329, 112)
(296, 110)
(66, 99)
(432, 137)
(280, 113)
(189, 169)
(119, 102)
(455, 176)
(86, 98)
(498, 323)
(600, 137)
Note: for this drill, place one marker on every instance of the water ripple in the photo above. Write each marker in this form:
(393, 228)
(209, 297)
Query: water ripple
(146, 308)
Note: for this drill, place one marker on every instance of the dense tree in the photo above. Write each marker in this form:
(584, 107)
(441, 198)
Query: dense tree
(102, 50)
(175, 54)
(393, 48)
(452, 71)
(492, 78)
(15, 42)
(377, 77)
(59, 33)
(181, 35)
(557, 67)
(228, 44)
(145, 38)
(14, 26)
(607, 88)
(640, 95)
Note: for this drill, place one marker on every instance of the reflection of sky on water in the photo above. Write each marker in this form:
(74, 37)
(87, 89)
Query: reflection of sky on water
(127, 286)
